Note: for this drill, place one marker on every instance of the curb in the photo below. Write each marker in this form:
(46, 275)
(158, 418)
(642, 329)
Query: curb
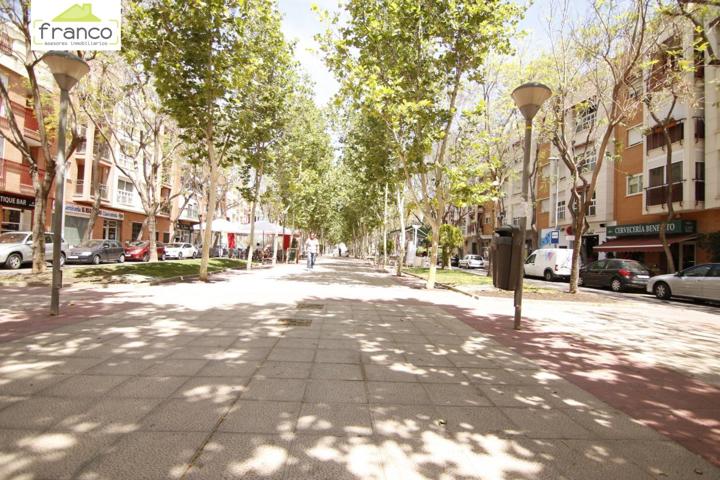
(447, 287)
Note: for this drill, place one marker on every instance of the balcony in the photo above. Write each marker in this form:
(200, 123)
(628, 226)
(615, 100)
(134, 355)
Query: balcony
(102, 150)
(699, 191)
(80, 188)
(125, 197)
(16, 177)
(656, 139)
(656, 195)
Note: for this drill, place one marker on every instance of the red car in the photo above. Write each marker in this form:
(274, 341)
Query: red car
(140, 251)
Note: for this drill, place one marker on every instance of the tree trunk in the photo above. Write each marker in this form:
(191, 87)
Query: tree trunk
(432, 274)
(38, 231)
(577, 247)
(95, 191)
(385, 215)
(403, 239)
(210, 214)
(152, 231)
(253, 207)
(275, 249)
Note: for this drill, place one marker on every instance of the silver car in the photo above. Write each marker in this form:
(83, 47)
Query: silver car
(16, 249)
(701, 282)
(472, 261)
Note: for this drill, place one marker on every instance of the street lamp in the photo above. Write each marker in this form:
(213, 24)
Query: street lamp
(67, 69)
(528, 97)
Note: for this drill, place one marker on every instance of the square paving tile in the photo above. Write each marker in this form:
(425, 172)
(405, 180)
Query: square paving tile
(242, 456)
(401, 372)
(48, 455)
(41, 412)
(335, 391)
(145, 455)
(286, 390)
(120, 366)
(459, 395)
(398, 393)
(482, 420)
(215, 389)
(516, 395)
(292, 354)
(33, 383)
(342, 419)
(406, 421)
(271, 369)
(336, 371)
(177, 368)
(337, 356)
(183, 415)
(83, 386)
(147, 387)
(270, 417)
(109, 416)
(323, 457)
(231, 368)
(539, 423)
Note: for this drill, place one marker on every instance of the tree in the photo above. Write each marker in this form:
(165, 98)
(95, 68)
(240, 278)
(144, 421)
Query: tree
(591, 67)
(126, 112)
(408, 62)
(450, 238)
(15, 16)
(204, 57)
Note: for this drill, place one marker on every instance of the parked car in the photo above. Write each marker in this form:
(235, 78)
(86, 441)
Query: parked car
(617, 274)
(16, 249)
(472, 261)
(96, 252)
(180, 251)
(454, 261)
(549, 263)
(700, 282)
(140, 251)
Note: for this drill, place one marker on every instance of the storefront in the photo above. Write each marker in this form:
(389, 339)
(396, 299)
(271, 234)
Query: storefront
(183, 232)
(16, 212)
(108, 225)
(641, 242)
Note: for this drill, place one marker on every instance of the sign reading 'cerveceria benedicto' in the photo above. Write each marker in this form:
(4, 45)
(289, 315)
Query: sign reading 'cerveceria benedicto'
(676, 226)
(75, 24)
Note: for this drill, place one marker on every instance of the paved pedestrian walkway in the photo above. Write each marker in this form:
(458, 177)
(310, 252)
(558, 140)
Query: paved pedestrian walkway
(339, 373)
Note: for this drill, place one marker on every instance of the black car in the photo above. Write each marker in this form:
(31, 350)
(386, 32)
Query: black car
(455, 261)
(97, 251)
(617, 274)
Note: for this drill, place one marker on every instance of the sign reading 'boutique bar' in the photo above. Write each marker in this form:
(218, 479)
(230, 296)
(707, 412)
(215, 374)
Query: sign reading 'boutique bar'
(674, 227)
(17, 202)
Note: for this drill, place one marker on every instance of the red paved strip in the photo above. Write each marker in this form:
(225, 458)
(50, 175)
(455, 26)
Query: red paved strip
(683, 409)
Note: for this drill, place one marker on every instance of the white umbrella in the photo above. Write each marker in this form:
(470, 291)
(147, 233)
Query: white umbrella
(221, 225)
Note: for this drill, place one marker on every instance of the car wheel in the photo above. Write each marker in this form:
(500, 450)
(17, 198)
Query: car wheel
(616, 285)
(662, 290)
(548, 275)
(180, 256)
(121, 258)
(96, 260)
(146, 257)
(13, 261)
(162, 257)
(62, 259)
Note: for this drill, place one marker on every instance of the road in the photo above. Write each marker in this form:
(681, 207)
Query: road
(348, 373)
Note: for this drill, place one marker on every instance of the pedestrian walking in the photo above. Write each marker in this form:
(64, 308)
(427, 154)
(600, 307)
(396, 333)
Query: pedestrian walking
(312, 247)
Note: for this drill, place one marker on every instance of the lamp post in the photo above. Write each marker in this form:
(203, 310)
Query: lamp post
(528, 97)
(67, 69)
(557, 187)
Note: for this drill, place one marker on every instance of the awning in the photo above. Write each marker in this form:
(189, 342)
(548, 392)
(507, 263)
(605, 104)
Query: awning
(641, 244)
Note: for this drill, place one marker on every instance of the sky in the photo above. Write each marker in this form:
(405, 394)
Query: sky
(301, 24)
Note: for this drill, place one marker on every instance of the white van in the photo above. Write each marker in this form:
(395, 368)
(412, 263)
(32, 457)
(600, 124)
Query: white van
(549, 263)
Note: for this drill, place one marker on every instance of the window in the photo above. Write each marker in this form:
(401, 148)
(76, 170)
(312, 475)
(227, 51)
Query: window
(586, 161)
(636, 87)
(600, 265)
(592, 208)
(6, 43)
(3, 109)
(166, 237)
(10, 220)
(561, 210)
(125, 193)
(516, 221)
(656, 139)
(634, 135)
(634, 184)
(530, 260)
(657, 177)
(111, 230)
(585, 115)
(676, 172)
(487, 220)
(699, 271)
(136, 229)
(545, 206)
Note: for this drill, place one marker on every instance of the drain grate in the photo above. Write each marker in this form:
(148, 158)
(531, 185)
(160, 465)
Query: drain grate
(310, 306)
(295, 322)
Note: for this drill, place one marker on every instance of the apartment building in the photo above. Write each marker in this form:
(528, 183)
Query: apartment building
(630, 198)
(17, 195)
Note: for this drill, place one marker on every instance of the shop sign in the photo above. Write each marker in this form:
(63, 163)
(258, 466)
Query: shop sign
(70, 208)
(639, 229)
(548, 237)
(183, 226)
(87, 25)
(17, 202)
